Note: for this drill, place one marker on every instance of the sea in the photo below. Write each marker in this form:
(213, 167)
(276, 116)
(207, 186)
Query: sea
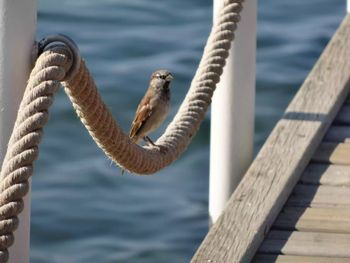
(83, 209)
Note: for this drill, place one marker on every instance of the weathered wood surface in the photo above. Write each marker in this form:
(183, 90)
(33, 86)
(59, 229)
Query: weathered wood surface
(255, 204)
(307, 244)
(320, 196)
(261, 258)
(335, 153)
(336, 175)
(331, 220)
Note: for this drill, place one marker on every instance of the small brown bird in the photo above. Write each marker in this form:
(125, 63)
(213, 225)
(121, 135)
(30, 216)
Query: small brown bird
(153, 107)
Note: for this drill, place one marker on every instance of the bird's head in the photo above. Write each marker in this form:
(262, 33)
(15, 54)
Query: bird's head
(161, 79)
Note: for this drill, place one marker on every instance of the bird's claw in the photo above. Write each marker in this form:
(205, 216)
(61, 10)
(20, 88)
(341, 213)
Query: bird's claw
(161, 149)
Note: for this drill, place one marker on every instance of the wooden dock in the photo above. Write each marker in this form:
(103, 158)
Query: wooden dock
(314, 224)
(293, 204)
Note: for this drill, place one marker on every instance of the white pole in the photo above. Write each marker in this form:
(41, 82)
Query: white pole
(348, 6)
(232, 114)
(17, 33)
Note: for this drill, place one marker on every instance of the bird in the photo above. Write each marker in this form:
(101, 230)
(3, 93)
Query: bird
(153, 107)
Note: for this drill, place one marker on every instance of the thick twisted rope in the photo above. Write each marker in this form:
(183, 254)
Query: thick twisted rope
(50, 70)
(147, 160)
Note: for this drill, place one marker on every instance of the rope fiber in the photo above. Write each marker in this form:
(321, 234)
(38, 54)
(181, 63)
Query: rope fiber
(53, 68)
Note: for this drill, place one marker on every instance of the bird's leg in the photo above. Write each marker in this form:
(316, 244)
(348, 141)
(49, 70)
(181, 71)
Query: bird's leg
(162, 149)
(148, 139)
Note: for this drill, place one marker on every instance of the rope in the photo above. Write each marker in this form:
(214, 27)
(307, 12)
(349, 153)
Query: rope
(148, 160)
(51, 70)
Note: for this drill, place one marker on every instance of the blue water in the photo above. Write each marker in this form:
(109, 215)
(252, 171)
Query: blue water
(82, 209)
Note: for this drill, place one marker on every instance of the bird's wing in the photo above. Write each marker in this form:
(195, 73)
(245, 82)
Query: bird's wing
(143, 112)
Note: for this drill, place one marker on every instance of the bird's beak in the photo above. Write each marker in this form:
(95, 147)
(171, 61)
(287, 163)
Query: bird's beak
(169, 78)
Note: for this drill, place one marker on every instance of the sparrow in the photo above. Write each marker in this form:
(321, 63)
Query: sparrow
(153, 108)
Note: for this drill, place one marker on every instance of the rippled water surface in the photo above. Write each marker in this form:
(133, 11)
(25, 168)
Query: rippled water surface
(83, 210)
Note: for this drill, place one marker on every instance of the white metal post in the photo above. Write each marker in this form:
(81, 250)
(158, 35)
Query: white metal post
(232, 114)
(348, 6)
(17, 33)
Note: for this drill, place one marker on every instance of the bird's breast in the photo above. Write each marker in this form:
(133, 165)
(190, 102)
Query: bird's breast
(159, 113)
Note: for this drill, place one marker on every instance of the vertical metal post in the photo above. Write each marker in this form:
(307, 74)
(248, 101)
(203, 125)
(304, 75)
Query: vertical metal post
(232, 114)
(17, 33)
(348, 6)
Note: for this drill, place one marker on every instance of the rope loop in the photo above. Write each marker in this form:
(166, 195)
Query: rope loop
(72, 46)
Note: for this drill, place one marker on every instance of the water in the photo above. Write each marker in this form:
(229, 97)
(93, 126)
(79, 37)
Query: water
(82, 209)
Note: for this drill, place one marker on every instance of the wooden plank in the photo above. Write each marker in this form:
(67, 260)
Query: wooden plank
(343, 117)
(255, 204)
(320, 196)
(325, 174)
(335, 153)
(338, 134)
(265, 258)
(331, 220)
(306, 244)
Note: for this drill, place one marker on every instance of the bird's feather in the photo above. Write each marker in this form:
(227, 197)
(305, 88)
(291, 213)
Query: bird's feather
(143, 112)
